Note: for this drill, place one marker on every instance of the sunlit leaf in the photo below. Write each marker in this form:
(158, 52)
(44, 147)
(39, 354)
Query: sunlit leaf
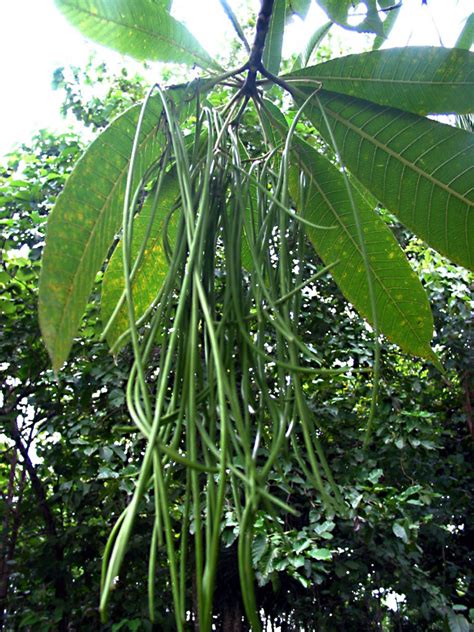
(84, 223)
(466, 37)
(143, 29)
(274, 41)
(403, 310)
(320, 554)
(419, 169)
(366, 20)
(312, 44)
(153, 268)
(392, 10)
(418, 79)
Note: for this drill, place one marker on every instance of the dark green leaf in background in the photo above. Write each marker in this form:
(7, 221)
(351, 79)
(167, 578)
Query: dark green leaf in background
(392, 9)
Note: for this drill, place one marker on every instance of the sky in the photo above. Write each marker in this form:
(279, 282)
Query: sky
(35, 39)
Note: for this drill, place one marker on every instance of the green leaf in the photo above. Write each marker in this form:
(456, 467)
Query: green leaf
(299, 7)
(275, 125)
(400, 532)
(153, 268)
(375, 475)
(313, 42)
(418, 79)
(274, 42)
(106, 473)
(280, 565)
(419, 169)
(84, 223)
(457, 622)
(392, 12)
(320, 554)
(324, 527)
(259, 546)
(302, 546)
(304, 581)
(403, 310)
(297, 561)
(245, 252)
(466, 37)
(338, 11)
(142, 29)
(165, 4)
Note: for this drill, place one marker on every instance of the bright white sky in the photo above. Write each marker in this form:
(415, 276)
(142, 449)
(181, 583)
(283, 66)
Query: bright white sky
(35, 39)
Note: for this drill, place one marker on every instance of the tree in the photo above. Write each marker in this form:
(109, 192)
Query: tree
(207, 279)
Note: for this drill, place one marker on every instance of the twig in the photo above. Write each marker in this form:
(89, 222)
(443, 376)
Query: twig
(235, 23)
(279, 82)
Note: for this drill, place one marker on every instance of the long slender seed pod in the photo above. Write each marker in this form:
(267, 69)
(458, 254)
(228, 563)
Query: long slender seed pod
(224, 393)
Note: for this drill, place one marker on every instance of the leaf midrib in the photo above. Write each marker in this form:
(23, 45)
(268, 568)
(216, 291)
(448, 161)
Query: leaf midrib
(384, 80)
(398, 156)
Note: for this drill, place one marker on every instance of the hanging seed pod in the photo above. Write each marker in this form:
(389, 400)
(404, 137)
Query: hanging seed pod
(227, 394)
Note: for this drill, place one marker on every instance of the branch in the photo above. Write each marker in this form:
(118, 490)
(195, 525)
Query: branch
(254, 63)
(36, 483)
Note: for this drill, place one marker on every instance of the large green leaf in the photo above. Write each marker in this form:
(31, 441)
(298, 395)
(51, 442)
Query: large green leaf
(142, 29)
(418, 79)
(84, 223)
(419, 169)
(403, 310)
(274, 41)
(153, 267)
